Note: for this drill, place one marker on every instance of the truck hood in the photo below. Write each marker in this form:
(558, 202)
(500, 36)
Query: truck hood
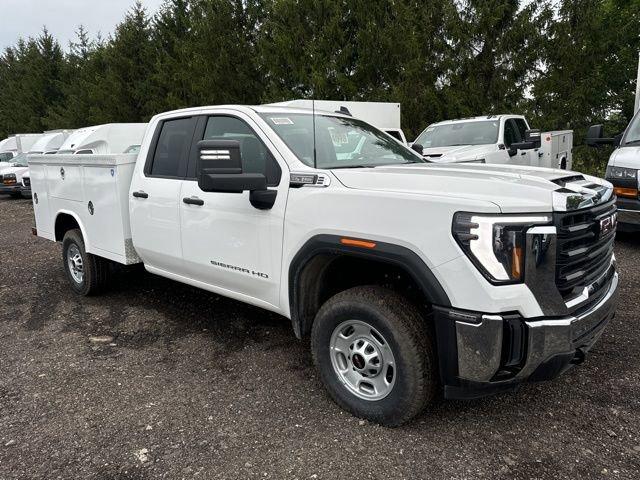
(628, 157)
(18, 171)
(512, 188)
(457, 153)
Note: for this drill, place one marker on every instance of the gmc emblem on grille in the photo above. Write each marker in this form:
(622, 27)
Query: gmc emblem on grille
(608, 224)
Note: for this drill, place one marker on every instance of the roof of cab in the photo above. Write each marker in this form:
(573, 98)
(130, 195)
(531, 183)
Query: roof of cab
(246, 108)
(478, 119)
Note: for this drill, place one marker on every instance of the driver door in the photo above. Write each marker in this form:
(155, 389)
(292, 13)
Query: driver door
(511, 136)
(227, 244)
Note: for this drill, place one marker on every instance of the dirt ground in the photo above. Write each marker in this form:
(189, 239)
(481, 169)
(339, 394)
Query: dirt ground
(160, 380)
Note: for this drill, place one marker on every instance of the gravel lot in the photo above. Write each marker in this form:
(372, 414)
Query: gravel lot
(192, 385)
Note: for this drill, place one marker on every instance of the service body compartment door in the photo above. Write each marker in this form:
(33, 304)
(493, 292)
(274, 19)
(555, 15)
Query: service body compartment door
(227, 243)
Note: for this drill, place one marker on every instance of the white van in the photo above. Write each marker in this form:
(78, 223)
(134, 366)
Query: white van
(622, 170)
(104, 139)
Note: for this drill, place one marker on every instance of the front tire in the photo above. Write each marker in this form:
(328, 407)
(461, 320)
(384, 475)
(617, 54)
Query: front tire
(87, 273)
(375, 355)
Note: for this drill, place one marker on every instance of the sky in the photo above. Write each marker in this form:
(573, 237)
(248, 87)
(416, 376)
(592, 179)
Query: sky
(26, 18)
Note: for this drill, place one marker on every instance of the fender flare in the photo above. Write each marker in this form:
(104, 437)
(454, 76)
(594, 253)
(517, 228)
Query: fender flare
(388, 253)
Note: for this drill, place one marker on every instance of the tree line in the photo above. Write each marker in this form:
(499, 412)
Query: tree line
(566, 63)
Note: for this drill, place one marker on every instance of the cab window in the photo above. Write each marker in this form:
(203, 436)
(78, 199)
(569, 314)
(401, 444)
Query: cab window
(522, 127)
(511, 133)
(256, 157)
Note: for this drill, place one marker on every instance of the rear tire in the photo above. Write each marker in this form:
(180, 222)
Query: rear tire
(87, 273)
(375, 355)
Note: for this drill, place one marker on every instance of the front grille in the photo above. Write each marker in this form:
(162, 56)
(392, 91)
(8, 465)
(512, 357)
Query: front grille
(583, 254)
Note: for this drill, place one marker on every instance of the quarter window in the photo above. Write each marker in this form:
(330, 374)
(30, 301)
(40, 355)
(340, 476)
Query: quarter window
(256, 157)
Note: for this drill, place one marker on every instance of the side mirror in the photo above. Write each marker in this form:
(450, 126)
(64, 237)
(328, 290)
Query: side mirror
(512, 150)
(595, 137)
(594, 134)
(533, 136)
(219, 169)
(416, 147)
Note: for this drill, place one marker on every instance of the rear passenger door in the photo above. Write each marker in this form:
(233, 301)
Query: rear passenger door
(155, 196)
(229, 245)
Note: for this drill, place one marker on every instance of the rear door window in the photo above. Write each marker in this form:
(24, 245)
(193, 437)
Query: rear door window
(172, 143)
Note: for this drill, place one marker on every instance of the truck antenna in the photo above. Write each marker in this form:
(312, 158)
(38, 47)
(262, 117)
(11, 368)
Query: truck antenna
(313, 113)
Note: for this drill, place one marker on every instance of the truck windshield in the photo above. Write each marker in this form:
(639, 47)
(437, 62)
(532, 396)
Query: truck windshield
(632, 135)
(340, 142)
(20, 160)
(463, 133)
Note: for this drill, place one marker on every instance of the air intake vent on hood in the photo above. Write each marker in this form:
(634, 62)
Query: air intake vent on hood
(564, 180)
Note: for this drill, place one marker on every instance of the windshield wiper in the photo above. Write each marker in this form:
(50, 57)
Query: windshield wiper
(352, 166)
(632, 142)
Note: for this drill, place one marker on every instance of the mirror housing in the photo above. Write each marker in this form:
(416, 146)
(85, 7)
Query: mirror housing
(595, 137)
(219, 169)
(416, 147)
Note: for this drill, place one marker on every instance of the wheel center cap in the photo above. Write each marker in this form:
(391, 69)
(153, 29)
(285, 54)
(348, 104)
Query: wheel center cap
(358, 361)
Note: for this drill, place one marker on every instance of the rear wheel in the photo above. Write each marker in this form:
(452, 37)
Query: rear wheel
(87, 273)
(375, 355)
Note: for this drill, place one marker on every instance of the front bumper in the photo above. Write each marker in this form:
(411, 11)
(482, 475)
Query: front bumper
(628, 214)
(26, 191)
(482, 354)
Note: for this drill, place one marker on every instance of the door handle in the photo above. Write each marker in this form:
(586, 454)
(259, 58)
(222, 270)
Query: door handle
(523, 153)
(193, 201)
(140, 194)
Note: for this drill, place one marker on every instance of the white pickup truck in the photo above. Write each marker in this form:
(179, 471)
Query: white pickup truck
(500, 139)
(406, 276)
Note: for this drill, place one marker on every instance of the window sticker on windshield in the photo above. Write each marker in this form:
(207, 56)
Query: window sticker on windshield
(338, 138)
(281, 121)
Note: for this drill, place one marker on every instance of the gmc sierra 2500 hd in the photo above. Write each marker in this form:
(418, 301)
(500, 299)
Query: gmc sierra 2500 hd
(407, 276)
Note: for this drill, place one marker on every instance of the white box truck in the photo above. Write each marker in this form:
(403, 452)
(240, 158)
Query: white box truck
(405, 275)
(500, 139)
(16, 144)
(383, 115)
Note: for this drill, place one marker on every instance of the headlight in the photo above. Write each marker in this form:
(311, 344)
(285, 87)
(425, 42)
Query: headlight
(622, 173)
(495, 243)
(9, 178)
